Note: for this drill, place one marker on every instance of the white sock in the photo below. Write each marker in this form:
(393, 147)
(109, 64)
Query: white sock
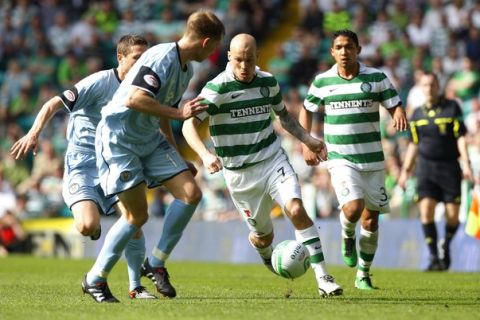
(311, 240)
(348, 227)
(368, 246)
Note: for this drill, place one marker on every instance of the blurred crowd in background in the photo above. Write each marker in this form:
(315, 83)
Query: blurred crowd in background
(46, 46)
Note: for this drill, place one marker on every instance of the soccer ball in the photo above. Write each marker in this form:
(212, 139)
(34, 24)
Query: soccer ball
(290, 259)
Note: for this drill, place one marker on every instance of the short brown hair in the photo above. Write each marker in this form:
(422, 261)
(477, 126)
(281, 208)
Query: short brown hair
(126, 42)
(204, 24)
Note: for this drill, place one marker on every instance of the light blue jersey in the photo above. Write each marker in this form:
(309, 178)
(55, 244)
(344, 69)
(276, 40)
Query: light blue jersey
(84, 102)
(159, 72)
(130, 148)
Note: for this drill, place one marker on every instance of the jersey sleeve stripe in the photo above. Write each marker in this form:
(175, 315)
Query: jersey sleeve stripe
(277, 98)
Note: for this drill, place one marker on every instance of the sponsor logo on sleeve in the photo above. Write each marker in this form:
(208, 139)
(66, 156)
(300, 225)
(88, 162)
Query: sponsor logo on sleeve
(69, 95)
(150, 80)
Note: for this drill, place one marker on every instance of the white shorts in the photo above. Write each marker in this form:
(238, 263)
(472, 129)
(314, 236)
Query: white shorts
(254, 190)
(122, 165)
(80, 182)
(351, 184)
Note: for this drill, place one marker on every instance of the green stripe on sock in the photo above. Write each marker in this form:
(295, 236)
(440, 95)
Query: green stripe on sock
(317, 258)
(366, 256)
(310, 241)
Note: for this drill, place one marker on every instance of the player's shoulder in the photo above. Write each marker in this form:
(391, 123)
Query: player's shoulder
(268, 78)
(264, 74)
(159, 51)
(325, 77)
(373, 73)
(222, 79)
(98, 78)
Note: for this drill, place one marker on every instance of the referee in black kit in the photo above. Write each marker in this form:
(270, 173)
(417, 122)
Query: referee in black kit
(438, 138)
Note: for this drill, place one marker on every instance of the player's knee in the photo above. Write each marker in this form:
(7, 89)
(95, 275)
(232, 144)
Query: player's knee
(354, 208)
(194, 196)
(261, 242)
(298, 215)
(140, 220)
(370, 224)
(86, 228)
(296, 209)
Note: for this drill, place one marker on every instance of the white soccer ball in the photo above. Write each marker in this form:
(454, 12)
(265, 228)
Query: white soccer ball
(290, 259)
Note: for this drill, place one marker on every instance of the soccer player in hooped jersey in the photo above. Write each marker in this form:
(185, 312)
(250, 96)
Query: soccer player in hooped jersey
(255, 166)
(351, 94)
(81, 190)
(132, 153)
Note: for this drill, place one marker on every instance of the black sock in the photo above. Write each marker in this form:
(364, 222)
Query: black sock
(449, 234)
(430, 231)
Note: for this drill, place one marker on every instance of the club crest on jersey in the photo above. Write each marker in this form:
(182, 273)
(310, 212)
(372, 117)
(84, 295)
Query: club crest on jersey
(69, 95)
(366, 87)
(264, 91)
(125, 176)
(73, 188)
(252, 222)
(150, 80)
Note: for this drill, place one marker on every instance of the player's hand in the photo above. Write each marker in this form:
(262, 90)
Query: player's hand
(467, 172)
(192, 168)
(21, 148)
(399, 118)
(402, 179)
(211, 162)
(318, 147)
(192, 108)
(313, 158)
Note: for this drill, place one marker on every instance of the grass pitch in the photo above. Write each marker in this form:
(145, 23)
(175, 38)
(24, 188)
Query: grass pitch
(41, 288)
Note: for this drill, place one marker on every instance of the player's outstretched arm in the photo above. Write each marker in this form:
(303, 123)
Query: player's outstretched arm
(399, 118)
(30, 141)
(190, 132)
(142, 101)
(295, 129)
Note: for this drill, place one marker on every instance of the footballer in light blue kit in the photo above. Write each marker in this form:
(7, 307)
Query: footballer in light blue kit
(133, 154)
(131, 148)
(84, 102)
(81, 190)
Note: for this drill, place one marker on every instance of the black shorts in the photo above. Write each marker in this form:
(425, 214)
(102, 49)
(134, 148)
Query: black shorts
(440, 180)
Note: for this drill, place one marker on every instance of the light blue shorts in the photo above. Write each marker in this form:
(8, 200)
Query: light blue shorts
(124, 165)
(80, 182)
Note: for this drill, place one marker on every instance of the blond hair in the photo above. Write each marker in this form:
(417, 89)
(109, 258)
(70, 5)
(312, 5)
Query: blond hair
(204, 24)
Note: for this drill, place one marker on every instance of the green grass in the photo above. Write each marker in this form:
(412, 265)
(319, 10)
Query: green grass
(41, 288)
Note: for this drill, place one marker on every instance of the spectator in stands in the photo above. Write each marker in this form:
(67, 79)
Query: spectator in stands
(13, 238)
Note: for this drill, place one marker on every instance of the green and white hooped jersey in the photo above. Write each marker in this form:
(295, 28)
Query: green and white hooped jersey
(240, 118)
(351, 122)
